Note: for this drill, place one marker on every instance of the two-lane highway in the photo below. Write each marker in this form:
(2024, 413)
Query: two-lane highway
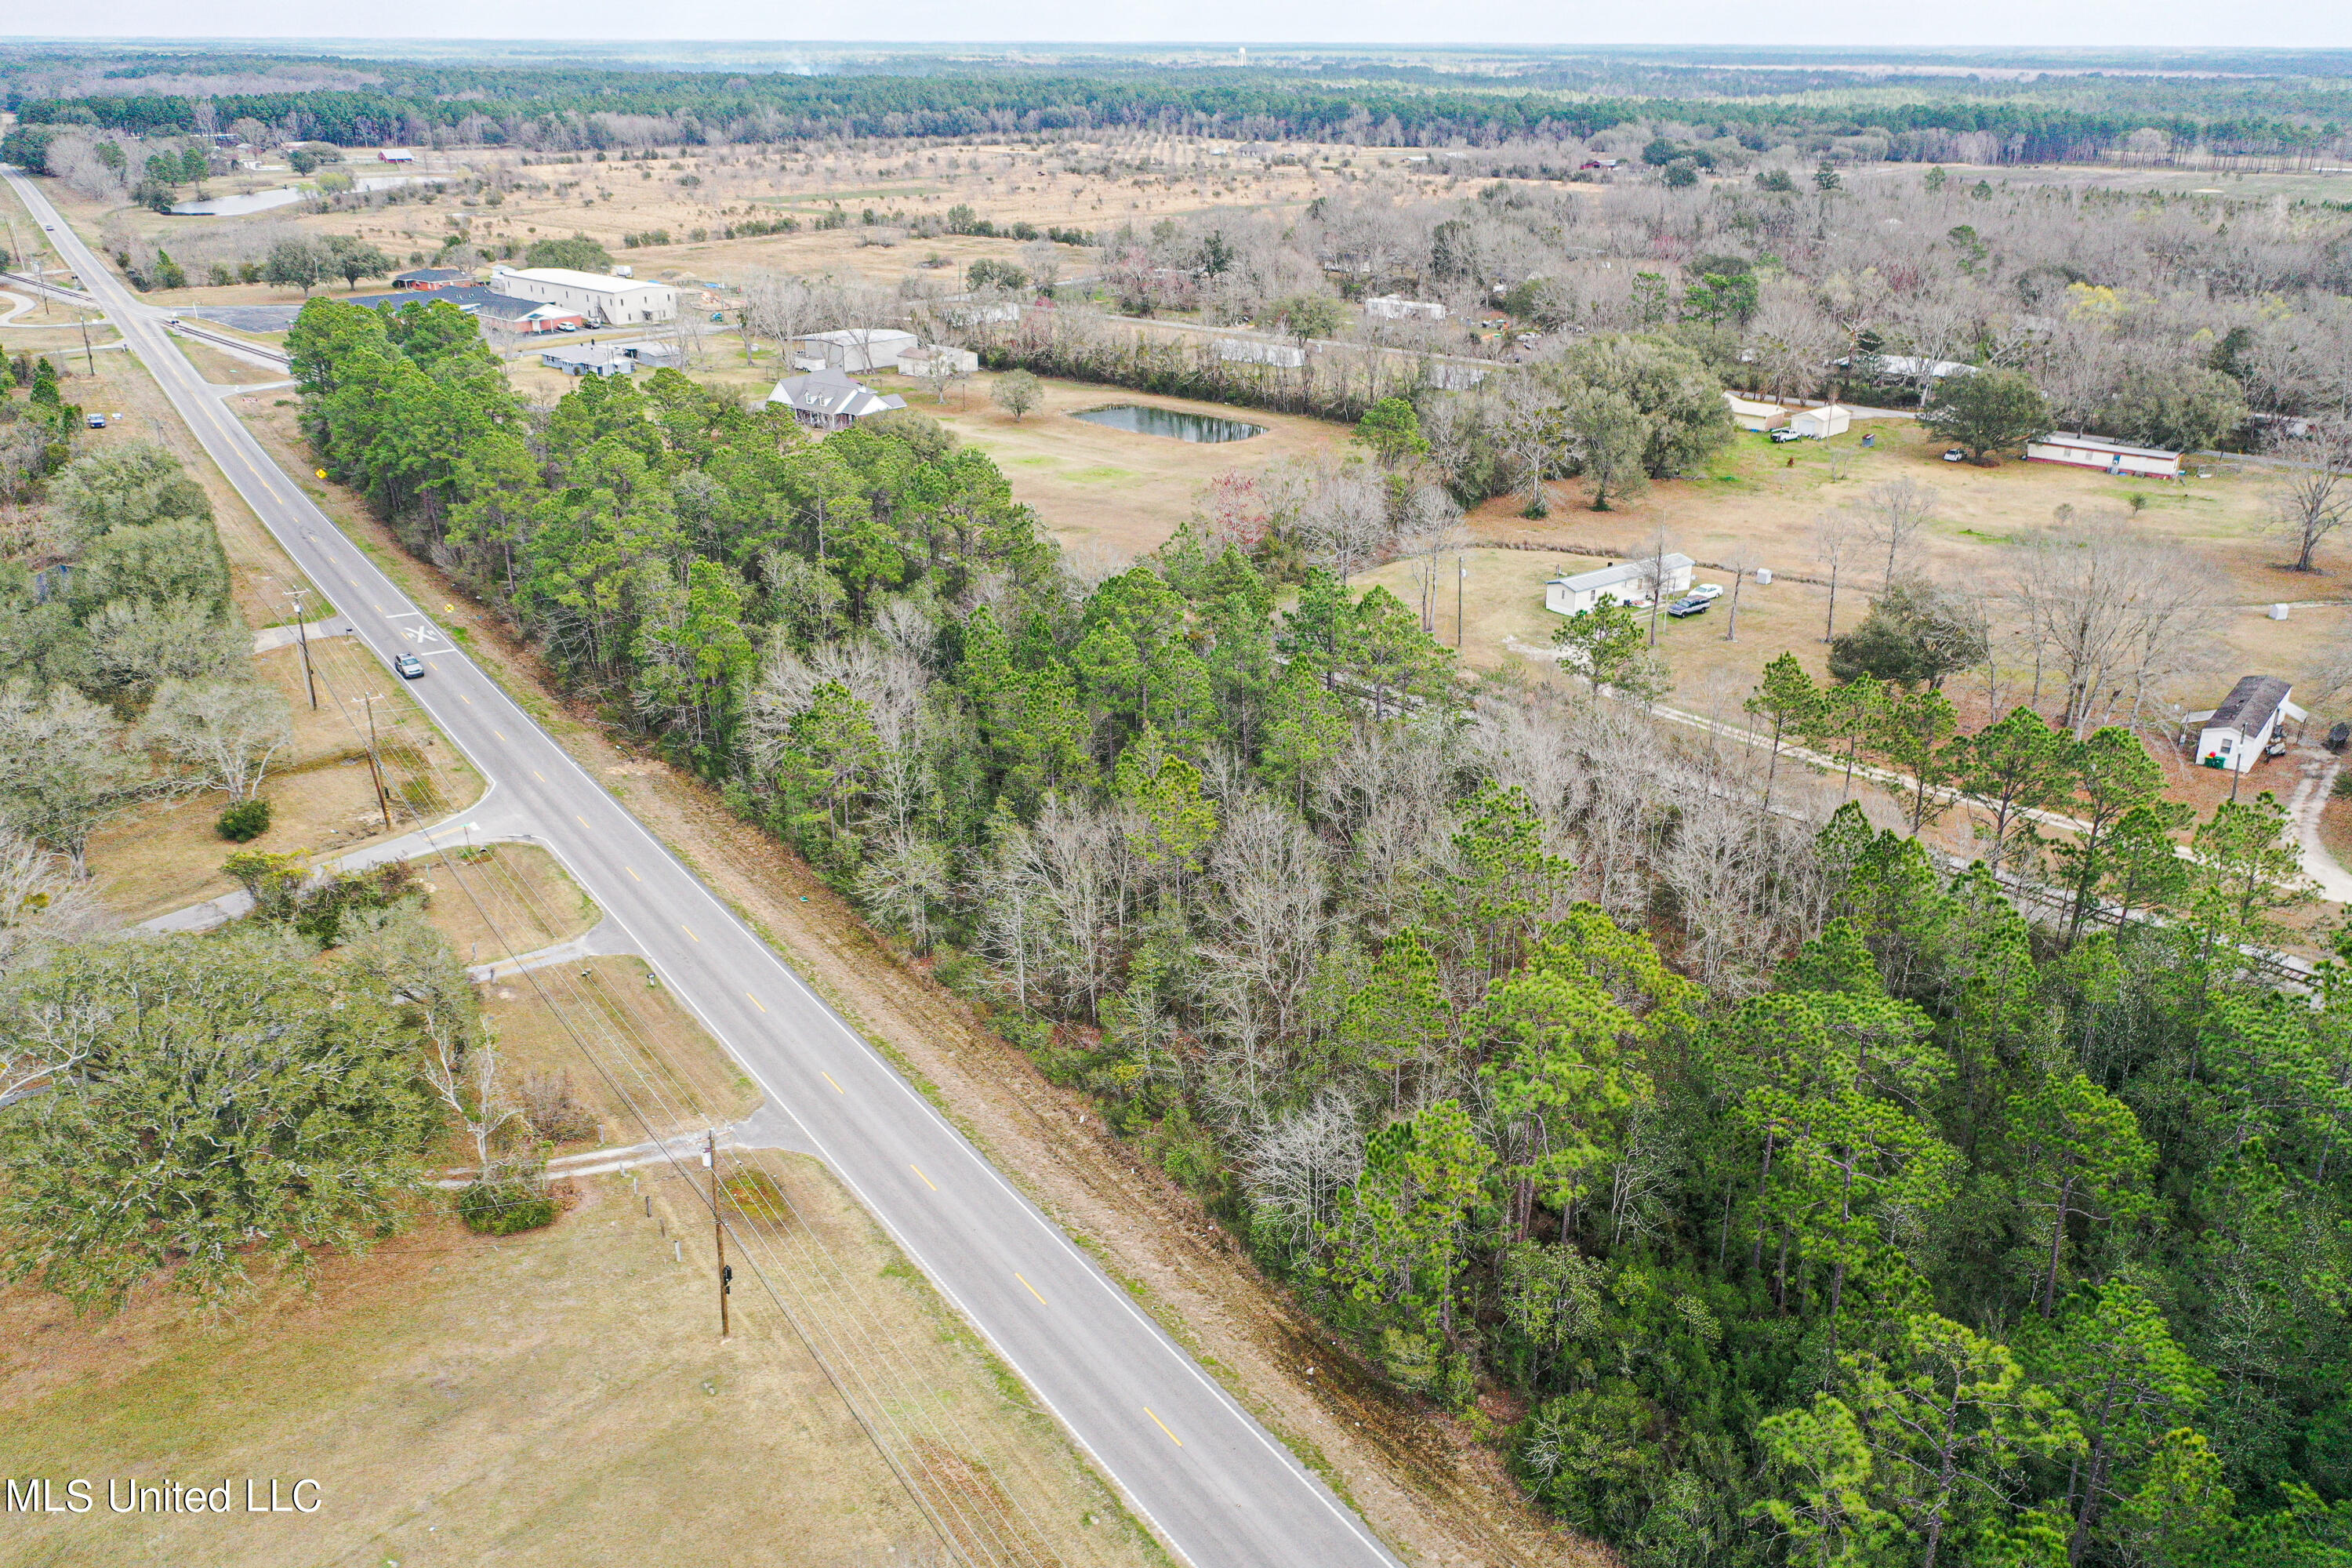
(1213, 1481)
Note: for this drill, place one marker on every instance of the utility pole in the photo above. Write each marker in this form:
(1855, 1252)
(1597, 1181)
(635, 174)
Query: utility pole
(1460, 572)
(719, 1228)
(302, 635)
(375, 770)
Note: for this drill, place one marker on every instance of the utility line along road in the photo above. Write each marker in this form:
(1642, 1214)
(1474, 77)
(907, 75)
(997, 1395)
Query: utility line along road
(1208, 1478)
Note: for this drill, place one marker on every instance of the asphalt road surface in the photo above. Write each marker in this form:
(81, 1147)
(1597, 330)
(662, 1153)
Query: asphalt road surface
(1213, 1481)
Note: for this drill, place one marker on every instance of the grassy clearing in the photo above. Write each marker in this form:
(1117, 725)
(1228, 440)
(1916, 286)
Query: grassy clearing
(624, 1042)
(1764, 502)
(505, 900)
(551, 1398)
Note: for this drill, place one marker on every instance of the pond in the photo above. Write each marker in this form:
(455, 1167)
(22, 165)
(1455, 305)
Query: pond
(1142, 421)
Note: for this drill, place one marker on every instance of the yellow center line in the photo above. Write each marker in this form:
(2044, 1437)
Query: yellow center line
(1032, 1291)
(579, 819)
(496, 732)
(1163, 1427)
(916, 1169)
(539, 776)
(688, 929)
(828, 1077)
(755, 1001)
(632, 870)
(469, 703)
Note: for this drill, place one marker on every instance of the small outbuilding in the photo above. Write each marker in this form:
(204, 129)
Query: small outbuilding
(1629, 584)
(2080, 451)
(2250, 719)
(1821, 424)
(921, 359)
(1749, 413)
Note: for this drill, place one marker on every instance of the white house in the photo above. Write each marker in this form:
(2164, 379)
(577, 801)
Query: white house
(852, 347)
(1750, 414)
(1397, 308)
(601, 296)
(829, 400)
(2097, 452)
(1249, 351)
(588, 359)
(1821, 424)
(2234, 735)
(1628, 584)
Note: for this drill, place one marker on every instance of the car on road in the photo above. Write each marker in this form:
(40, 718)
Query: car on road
(409, 666)
(1691, 606)
(1704, 590)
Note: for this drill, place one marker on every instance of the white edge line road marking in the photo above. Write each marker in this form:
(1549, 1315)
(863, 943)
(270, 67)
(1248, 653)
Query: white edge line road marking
(923, 1107)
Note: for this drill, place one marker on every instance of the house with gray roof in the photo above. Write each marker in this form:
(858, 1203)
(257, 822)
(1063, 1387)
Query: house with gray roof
(2237, 733)
(830, 400)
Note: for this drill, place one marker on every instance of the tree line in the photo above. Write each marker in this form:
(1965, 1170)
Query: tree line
(1804, 1200)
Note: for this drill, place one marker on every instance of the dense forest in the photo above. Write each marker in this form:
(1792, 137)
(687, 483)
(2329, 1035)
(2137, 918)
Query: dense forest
(1777, 1194)
(369, 103)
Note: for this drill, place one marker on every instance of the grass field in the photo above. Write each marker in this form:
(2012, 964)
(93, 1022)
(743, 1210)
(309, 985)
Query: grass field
(505, 900)
(634, 1056)
(1755, 504)
(559, 1397)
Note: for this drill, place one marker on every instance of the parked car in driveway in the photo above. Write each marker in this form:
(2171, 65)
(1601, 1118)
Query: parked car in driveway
(1783, 435)
(409, 666)
(1690, 605)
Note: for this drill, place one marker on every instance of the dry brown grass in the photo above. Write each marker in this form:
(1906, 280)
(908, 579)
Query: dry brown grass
(636, 1056)
(554, 1398)
(1754, 502)
(502, 900)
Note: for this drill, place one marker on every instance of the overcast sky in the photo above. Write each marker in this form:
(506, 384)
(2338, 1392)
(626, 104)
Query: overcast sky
(1982, 24)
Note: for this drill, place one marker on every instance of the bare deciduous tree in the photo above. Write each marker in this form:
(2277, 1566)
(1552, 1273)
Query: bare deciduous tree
(2313, 496)
(1346, 520)
(1891, 515)
(464, 1075)
(1833, 542)
(2110, 611)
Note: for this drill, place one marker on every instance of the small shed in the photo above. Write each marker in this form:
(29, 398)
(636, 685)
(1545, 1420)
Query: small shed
(1821, 424)
(2235, 734)
(1628, 583)
(1749, 413)
(2082, 451)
